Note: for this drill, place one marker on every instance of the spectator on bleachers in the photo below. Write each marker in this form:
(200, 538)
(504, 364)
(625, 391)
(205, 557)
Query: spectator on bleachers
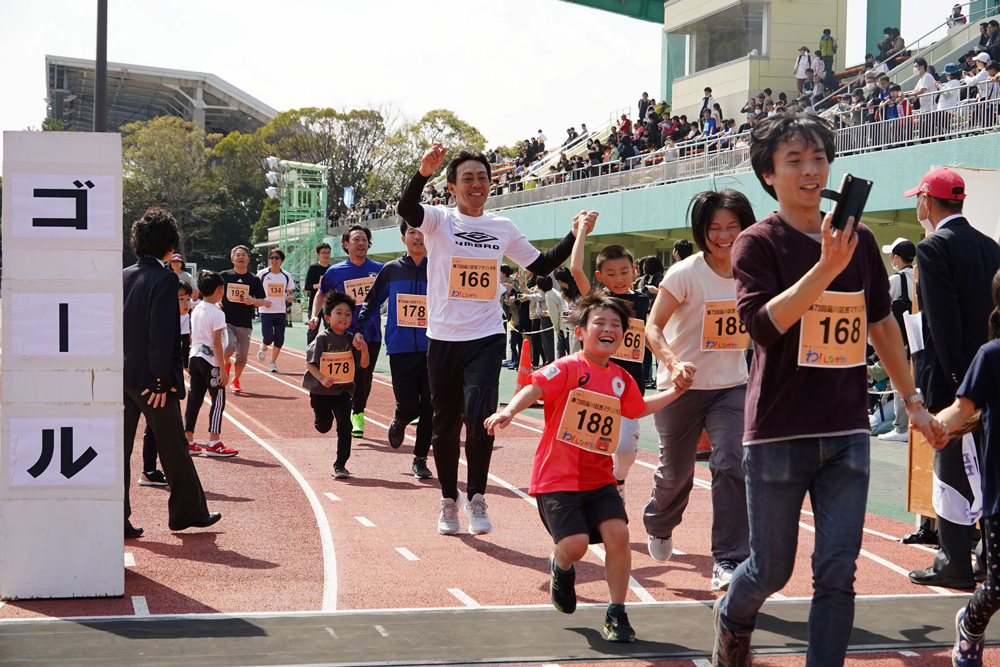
(925, 84)
(650, 110)
(993, 45)
(706, 102)
(626, 151)
(897, 50)
(827, 49)
(644, 104)
(625, 127)
(818, 65)
(885, 46)
(571, 136)
(583, 130)
(956, 17)
(950, 93)
(802, 63)
(968, 63)
(748, 126)
(984, 37)
(717, 113)
(818, 90)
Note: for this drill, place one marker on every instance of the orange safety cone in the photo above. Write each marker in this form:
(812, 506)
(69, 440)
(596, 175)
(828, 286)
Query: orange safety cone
(524, 366)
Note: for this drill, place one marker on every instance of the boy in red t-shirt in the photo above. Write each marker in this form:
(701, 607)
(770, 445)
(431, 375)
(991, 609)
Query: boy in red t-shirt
(586, 398)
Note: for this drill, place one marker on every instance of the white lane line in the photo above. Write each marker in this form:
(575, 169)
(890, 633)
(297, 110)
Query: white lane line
(550, 664)
(331, 496)
(325, 534)
(701, 662)
(332, 633)
(909, 654)
(381, 630)
(891, 538)
(885, 563)
(678, 552)
(139, 605)
(129, 560)
(365, 522)
(777, 596)
(633, 585)
(463, 598)
(506, 485)
(406, 553)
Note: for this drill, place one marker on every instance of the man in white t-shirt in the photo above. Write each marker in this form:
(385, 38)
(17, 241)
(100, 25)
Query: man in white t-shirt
(802, 63)
(278, 286)
(465, 332)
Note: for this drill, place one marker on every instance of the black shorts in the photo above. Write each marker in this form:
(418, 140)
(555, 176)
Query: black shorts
(566, 513)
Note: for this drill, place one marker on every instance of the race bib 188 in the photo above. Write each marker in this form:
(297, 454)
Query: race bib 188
(472, 278)
(721, 329)
(834, 331)
(591, 421)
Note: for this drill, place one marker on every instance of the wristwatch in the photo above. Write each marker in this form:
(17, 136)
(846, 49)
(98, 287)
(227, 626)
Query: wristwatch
(915, 398)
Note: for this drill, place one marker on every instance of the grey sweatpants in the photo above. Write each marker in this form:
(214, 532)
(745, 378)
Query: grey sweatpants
(679, 425)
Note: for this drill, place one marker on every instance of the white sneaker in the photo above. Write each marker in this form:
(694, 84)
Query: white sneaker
(661, 549)
(894, 436)
(273, 367)
(722, 574)
(448, 519)
(261, 353)
(479, 520)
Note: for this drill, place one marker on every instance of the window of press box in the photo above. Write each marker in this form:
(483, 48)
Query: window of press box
(725, 36)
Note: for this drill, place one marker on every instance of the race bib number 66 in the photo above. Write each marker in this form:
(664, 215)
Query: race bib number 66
(834, 331)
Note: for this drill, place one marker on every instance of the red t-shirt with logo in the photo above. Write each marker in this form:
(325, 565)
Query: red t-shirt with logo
(563, 467)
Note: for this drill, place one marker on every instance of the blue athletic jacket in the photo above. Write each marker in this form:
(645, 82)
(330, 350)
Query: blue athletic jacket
(334, 279)
(399, 276)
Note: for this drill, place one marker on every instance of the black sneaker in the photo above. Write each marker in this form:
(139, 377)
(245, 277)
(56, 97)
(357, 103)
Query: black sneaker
(397, 431)
(563, 587)
(923, 535)
(154, 478)
(341, 472)
(729, 649)
(616, 625)
(420, 469)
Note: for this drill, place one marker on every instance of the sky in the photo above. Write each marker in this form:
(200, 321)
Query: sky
(508, 67)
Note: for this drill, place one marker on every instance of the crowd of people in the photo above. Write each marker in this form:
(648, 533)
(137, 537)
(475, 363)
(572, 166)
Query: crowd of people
(741, 331)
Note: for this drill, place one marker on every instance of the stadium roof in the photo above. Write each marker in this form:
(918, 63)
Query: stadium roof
(644, 10)
(138, 92)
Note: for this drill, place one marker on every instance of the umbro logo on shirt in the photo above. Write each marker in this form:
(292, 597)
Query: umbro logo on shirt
(477, 240)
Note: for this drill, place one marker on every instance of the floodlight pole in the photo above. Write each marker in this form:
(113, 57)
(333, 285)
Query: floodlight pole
(101, 69)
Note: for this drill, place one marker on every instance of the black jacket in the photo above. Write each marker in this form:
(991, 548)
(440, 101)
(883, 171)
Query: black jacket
(151, 325)
(956, 265)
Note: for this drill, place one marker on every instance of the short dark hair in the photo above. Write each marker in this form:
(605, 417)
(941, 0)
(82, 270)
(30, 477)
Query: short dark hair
(601, 299)
(920, 62)
(613, 252)
(276, 251)
(683, 248)
(155, 234)
(506, 270)
(403, 226)
(708, 89)
(652, 266)
(185, 286)
(994, 65)
(826, 31)
(320, 247)
(949, 205)
(451, 171)
(705, 205)
(333, 299)
(346, 236)
(771, 133)
(993, 22)
(208, 282)
(543, 283)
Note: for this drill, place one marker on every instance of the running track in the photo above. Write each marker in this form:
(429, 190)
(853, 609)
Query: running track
(294, 539)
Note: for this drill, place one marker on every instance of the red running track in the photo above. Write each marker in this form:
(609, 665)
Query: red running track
(268, 552)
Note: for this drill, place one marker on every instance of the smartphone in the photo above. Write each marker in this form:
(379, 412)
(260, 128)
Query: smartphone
(850, 201)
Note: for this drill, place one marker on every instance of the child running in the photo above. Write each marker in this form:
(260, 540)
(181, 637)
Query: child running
(586, 398)
(208, 328)
(979, 391)
(331, 361)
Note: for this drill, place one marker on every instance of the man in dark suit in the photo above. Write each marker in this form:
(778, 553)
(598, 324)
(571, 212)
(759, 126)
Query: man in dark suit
(153, 378)
(956, 264)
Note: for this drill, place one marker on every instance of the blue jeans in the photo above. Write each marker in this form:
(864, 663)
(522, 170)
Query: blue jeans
(834, 471)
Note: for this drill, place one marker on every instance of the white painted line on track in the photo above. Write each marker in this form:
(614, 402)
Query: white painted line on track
(550, 664)
(129, 559)
(325, 534)
(332, 633)
(891, 538)
(701, 662)
(633, 585)
(506, 485)
(139, 606)
(909, 654)
(406, 553)
(464, 599)
(777, 596)
(678, 552)
(330, 496)
(885, 563)
(381, 630)
(365, 522)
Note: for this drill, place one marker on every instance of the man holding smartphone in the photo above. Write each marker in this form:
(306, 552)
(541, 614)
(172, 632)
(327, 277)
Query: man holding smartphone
(810, 295)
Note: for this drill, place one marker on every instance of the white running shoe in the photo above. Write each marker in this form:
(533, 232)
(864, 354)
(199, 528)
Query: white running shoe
(661, 549)
(261, 353)
(479, 520)
(273, 367)
(722, 574)
(894, 436)
(448, 519)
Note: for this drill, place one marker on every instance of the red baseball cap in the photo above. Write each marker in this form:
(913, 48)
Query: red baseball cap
(941, 183)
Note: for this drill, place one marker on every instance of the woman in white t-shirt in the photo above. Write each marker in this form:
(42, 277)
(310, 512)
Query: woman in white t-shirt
(278, 287)
(696, 335)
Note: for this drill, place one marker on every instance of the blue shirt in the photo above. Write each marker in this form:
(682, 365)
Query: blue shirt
(399, 276)
(334, 279)
(981, 387)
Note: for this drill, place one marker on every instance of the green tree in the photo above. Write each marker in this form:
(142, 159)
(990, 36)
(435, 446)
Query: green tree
(443, 126)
